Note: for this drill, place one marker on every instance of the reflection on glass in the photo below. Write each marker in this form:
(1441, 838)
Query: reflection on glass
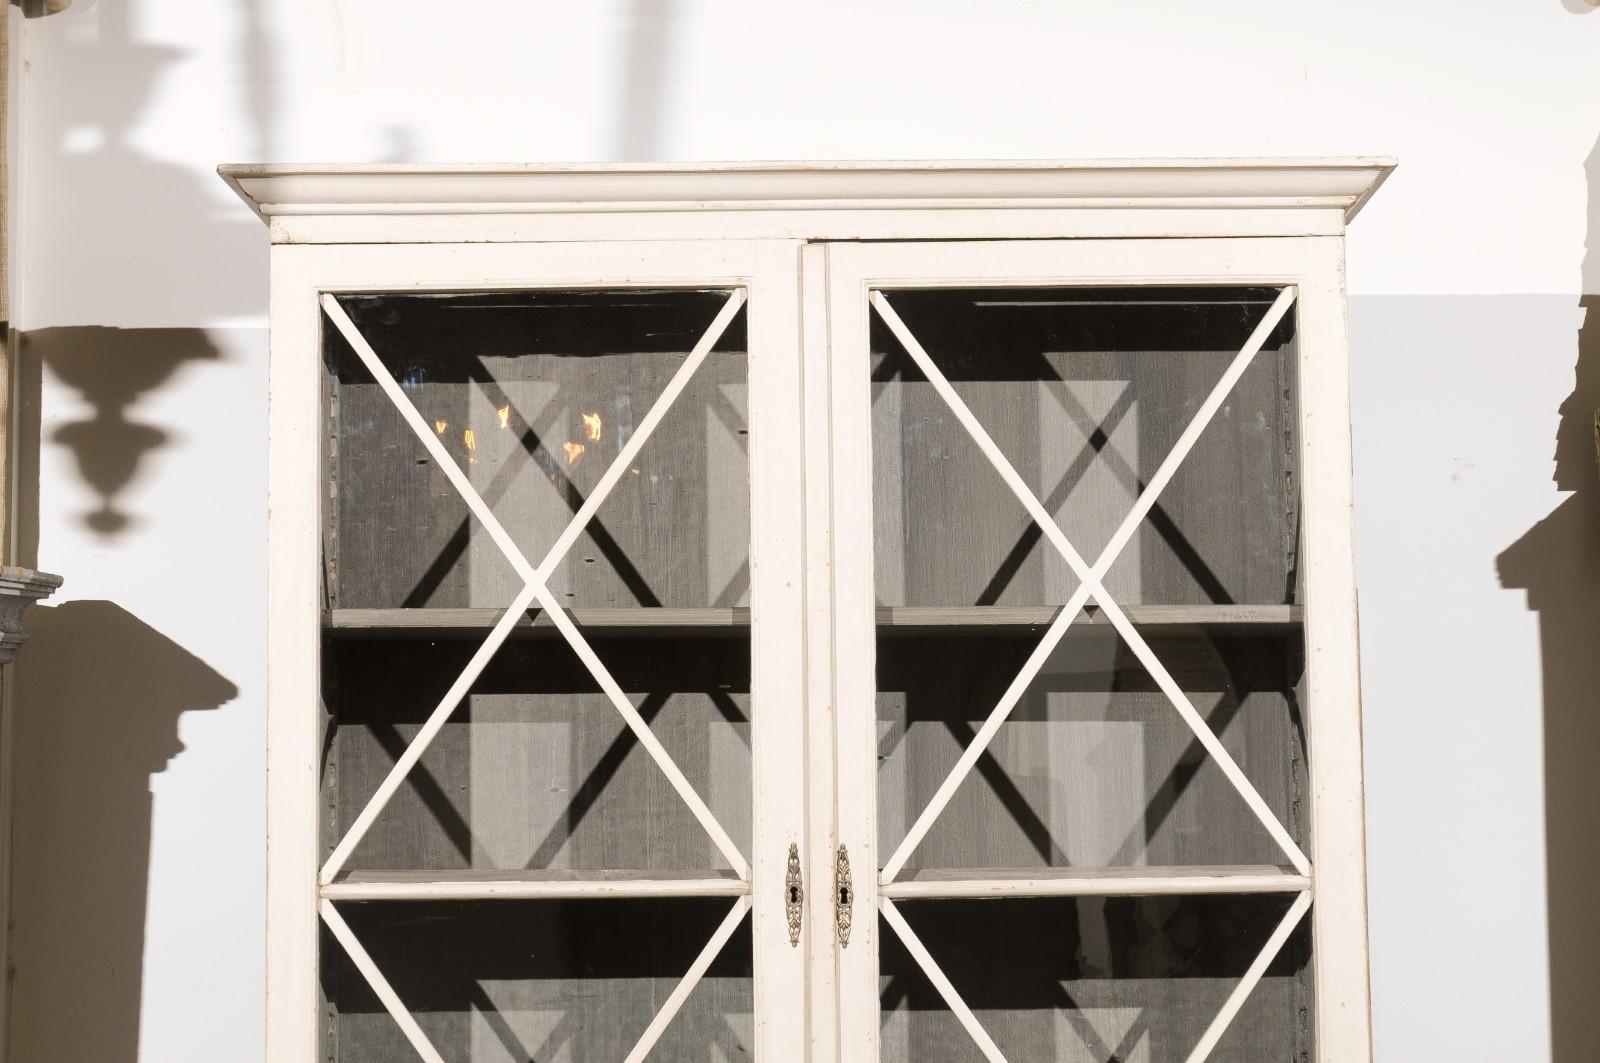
(534, 394)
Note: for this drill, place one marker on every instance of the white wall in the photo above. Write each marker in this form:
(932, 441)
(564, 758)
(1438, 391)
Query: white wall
(142, 286)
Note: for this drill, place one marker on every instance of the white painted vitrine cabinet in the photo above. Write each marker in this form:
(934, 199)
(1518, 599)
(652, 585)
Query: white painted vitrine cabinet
(831, 613)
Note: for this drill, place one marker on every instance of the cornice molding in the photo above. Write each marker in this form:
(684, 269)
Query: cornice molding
(294, 191)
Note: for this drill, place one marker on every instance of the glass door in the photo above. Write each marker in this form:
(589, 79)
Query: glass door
(556, 671)
(1076, 719)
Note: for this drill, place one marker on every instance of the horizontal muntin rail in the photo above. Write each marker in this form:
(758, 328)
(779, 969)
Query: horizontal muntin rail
(978, 884)
(486, 885)
(712, 620)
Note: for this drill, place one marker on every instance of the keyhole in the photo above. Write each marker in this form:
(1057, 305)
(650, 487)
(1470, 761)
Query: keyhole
(844, 896)
(794, 894)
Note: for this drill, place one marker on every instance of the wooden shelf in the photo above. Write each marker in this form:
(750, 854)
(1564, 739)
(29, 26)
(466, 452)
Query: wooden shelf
(894, 620)
(466, 623)
(930, 620)
(485, 885)
(990, 883)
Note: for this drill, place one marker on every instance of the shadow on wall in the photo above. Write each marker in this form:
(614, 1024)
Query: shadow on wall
(645, 80)
(110, 368)
(1558, 563)
(134, 236)
(98, 698)
(98, 693)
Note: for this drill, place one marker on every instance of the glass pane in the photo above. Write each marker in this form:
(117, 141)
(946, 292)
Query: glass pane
(534, 394)
(509, 982)
(1094, 767)
(536, 773)
(1085, 391)
(1097, 979)
(537, 770)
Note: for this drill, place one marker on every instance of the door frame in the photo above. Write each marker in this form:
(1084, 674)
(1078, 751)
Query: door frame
(768, 271)
(1315, 267)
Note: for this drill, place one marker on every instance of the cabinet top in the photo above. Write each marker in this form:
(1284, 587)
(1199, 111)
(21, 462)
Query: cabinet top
(844, 200)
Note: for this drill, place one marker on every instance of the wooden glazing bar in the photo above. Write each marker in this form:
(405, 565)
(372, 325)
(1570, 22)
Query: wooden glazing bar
(711, 620)
(486, 885)
(979, 883)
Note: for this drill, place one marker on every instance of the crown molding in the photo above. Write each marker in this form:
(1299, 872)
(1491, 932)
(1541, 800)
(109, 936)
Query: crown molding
(279, 193)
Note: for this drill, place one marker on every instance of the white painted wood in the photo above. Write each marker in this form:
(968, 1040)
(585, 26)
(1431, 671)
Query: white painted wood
(426, 734)
(529, 885)
(301, 277)
(463, 622)
(390, 189)
(430, 442)
(1207, 737)
(445, 622)
(946, 223)
(853, 646)
(777, 646)
(294, 739)
(992, 883)
(681, 991)
(379, 984)
(952, 999)
(536, 588)
(1313, 267)
(1241, 992)
(1333, 673)
(821, 841)
(640, 436)
(991, 726)
(1090, 583)
(814, 622)
(1191, 434)
(641, 731)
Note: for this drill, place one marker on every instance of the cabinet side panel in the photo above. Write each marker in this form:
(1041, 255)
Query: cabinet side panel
(294, 420)
(1332, 668)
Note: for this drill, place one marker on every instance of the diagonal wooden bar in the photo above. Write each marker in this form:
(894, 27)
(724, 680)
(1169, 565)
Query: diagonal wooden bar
(641, 433)
(379, 984)
(986, 733)
(1090, 580)
(1202, 732)
(430, 442)
(919, 952)
(696, 971)
(534, 586)
(425, 735)
(1247, 984)
(642, 732)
